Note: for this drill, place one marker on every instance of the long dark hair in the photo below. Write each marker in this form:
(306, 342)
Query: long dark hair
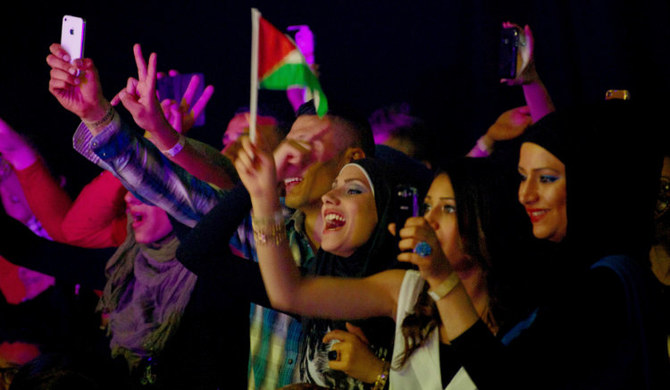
(484, 203)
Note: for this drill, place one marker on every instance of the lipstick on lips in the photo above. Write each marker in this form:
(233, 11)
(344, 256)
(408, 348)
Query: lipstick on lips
(536, 214)
(332, 220)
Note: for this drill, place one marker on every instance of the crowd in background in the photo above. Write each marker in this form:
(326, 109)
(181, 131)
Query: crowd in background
(283, 262)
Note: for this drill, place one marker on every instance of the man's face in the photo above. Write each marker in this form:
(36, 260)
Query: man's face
(328, 142)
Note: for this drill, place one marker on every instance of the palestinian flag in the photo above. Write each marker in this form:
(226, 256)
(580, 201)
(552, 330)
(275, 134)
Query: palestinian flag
(279, 63)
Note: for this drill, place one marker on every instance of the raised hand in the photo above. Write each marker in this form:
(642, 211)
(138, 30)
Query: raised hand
(292, 157)
(510, 124)
(139, 96)
(354, 357)
(256, 169)
(433, 264)
(526, 72)
(76, 86)
(304, 39)
(15, 148)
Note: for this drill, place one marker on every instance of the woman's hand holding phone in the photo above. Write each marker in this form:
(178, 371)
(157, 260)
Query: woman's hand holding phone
(76, 85)
(525, 64)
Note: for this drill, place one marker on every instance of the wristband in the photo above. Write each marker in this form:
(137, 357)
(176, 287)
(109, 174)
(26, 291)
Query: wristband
(173, 151)
(445, 287)
(483, 146)
(102, 121)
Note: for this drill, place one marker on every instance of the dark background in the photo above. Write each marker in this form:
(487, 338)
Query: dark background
(439, 56)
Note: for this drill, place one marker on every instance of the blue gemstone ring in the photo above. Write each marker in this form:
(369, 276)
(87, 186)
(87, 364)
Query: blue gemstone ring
(423, 249)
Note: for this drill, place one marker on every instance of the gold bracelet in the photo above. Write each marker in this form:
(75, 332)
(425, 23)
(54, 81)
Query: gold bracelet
(445, 287)
(269, 230)
(383, 377)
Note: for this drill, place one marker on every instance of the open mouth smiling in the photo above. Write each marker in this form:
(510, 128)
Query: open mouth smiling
(292, 181)
(333, 221)
(536, 214)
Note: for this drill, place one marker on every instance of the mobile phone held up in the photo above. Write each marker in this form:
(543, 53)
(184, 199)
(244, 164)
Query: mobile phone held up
(508, 55)
(72, 35)
(406, 204)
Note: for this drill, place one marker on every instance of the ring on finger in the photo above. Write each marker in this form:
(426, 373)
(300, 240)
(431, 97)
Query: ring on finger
(423, 249)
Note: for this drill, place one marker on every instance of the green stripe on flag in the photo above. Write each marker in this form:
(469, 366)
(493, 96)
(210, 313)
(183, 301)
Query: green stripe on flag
(297, 75)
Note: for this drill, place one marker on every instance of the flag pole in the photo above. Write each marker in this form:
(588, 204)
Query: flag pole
(253, 95)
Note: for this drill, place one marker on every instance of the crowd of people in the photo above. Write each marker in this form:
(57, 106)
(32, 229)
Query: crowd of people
(283, 262)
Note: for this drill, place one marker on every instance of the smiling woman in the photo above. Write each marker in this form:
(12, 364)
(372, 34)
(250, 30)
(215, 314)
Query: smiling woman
(595, 167)
(543, 192)
(351, 199)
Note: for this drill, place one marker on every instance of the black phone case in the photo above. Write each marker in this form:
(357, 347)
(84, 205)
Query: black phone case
(509, 45)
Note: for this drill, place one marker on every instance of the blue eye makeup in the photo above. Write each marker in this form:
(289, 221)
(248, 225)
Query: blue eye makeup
(355, 189)
(548, 178)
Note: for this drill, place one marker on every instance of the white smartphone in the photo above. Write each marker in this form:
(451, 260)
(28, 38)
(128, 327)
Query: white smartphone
(72, 36)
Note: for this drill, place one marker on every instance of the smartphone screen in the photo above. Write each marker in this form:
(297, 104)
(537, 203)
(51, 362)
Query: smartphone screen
(509, 45)
(72, 36)
(406, 204)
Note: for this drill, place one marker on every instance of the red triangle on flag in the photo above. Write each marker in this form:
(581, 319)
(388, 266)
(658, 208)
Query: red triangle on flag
(273, 46)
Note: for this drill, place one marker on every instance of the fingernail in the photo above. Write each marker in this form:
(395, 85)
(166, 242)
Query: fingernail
(66, 58)
(72, 71)
(77, 81)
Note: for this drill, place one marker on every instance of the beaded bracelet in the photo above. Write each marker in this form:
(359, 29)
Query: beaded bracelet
(383, 377)
(270, 230)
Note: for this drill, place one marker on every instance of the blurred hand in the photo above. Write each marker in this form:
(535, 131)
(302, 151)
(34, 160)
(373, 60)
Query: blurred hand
(433, 267)
(292, 157)
(185, 113)
(510, 124)
(256, 169)
(304, 39)
(354, 356)
(15, 148)
(76, 86)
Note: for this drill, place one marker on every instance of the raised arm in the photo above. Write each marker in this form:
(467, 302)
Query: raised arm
(46, 199)
(206, 253)
(64, 262)
(509, 125)
(287, 288)
(140, 166)
(168, 122)
(536, 94)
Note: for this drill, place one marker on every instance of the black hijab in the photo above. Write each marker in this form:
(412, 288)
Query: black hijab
(377, 254)
(380, 251)
(612, 163)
